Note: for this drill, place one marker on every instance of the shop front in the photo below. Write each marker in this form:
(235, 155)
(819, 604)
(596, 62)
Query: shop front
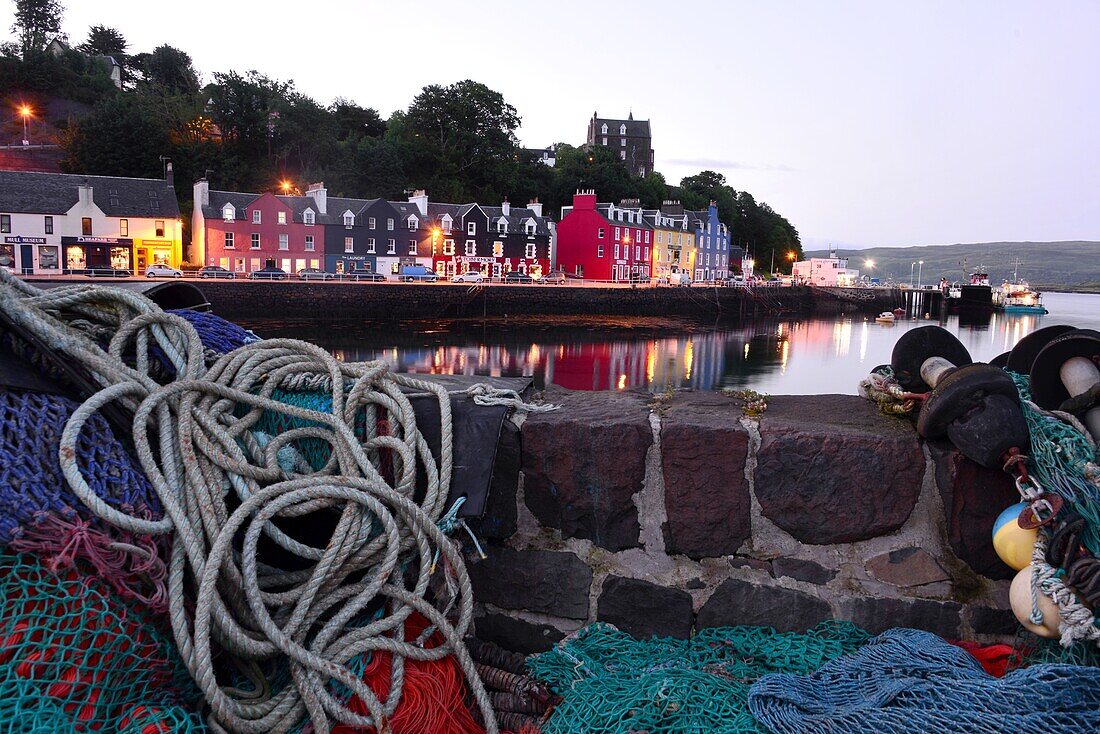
(82, 253)
(341, 264)
(30, 255)
(152, 252)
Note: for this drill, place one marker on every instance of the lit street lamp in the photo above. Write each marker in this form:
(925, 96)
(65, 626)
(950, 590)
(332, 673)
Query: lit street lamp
(919, 269)
(911, 266)
(25, 111)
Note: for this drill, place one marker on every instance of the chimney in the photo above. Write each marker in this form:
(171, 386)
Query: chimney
(85, 192)
(420, 198)
(202, 192)
(169, 175)
(535, 206)
(630, 203)
(319, 194)
(505, 207)
(672, 207)
(584, 199)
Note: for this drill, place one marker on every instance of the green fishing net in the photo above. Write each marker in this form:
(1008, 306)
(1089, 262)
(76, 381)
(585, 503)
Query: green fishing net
(612, 683)
(74, 658)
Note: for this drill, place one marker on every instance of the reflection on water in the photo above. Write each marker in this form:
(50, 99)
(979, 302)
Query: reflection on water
(772, 356)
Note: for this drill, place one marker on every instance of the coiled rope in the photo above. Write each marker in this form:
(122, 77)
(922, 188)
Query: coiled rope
(292, 639)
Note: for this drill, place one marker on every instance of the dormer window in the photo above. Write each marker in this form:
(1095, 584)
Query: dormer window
(622, 129)
(447, 222)
(413, 224)
(603, 129)
(229, 213)
(529, 226)
(502, 226)
(256, 217)
(349, 220)
(309, 217)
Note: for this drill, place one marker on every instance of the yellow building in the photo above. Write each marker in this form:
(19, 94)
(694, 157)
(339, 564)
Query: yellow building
(674, 241)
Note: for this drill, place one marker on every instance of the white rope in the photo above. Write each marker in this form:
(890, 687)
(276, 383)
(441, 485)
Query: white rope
(195, 437)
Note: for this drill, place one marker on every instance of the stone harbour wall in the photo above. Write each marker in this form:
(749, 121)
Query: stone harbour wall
(670, 513)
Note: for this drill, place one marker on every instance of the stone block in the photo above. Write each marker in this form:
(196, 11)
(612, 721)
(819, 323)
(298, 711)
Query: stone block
(550, 582)
(583, 464)
(973, 496)
(833, 469)
(907, 567)
(754, 563)
(801, 570)
(993, 621)
(501, 512)
(703, 452)
(644, 609)
(516, 634)
(878, 615)
(737, 602)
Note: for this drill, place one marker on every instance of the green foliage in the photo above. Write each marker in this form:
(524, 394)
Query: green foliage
(105, 41)
(166, 69)
(37, 22)
(119, 138)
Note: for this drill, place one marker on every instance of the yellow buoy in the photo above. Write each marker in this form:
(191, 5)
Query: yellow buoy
(1013, 543)
(1019, 596)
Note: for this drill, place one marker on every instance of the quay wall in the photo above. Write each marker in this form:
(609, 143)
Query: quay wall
(671, 513)
(397, 301)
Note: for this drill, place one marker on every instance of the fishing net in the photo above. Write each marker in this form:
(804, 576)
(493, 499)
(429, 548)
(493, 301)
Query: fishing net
(216, 333)
(1030, 649)
(73, 658)
(907, 680)
(612, 683)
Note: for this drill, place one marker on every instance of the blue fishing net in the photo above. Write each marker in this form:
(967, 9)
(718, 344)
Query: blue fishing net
(911, 681)
(216, 333)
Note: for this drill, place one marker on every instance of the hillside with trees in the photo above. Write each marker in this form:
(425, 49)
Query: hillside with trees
(248, 132)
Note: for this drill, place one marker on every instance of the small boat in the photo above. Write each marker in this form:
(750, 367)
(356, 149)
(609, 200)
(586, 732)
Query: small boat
(899, 312)
(1018, 297)
(886, 317)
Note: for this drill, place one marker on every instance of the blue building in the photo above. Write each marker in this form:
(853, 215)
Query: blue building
(712, 244)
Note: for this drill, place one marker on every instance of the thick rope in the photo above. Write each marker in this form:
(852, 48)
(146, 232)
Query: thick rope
(297, 632)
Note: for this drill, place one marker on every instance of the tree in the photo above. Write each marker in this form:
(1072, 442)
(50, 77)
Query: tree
(104, 41)
(120, 138)
(596, 167)
(166, 68)
(354, 122)
(37, 22)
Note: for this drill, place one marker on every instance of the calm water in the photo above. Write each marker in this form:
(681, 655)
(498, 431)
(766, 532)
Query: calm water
(776, 356)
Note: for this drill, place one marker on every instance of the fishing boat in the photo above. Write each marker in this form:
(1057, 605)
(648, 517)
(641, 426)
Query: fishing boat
(1016, 296)
(886, 317)
(977, 295)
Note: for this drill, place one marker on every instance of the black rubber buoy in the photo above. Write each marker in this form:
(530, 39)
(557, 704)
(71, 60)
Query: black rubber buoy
(1027, 349)
(917, 345)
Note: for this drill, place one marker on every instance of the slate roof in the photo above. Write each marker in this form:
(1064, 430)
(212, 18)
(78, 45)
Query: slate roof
(218, 199)
(517, 218)
(604, 211)
(26, 192)
(636, 128)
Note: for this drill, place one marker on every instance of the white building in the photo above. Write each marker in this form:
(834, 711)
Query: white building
(53, 223)
(825, 271)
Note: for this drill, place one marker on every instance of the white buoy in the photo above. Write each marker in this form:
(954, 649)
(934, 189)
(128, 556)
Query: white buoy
(1019, 597)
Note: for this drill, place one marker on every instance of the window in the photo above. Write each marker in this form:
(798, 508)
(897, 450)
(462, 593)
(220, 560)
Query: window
(309, 218)
(256, 218)
(124, 228)
(389, 224)
(412, 247)
(599, 250)
(391, 247)
(502, 227)
(605, 141)
(284, 242)
(616, 250)
(49, 225)
(370, 245)
(645, 253)
(622, 129)
(658, 237)
(254, 263)
(471, 228)
(530, 249)
(617, 234)
(5, 223)
(227, 213)
(448, 247)
(349, 220)
(498, 249)
(413, 224)
(622, 142)
(530, 227)
(255, 241)
(349, 244)
(647, 236)
(622, 155)
(281, 217)
(309, 243)
(447, 222)
(229, 240)
(471, 248)
(85, 225)
(637, 252)
(158, 225)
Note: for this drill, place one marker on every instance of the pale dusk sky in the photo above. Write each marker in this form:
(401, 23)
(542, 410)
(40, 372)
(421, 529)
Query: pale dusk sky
(865, 123)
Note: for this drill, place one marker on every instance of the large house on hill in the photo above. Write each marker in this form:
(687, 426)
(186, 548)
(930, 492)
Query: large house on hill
(632, 139)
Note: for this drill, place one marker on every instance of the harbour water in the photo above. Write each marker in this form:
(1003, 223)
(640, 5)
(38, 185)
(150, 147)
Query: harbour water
(775, 356)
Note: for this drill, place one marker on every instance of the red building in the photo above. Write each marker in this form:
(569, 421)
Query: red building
(604, 241)
(246, 232)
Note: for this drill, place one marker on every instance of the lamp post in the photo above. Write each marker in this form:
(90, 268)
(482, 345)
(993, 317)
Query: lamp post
(920, 263)
(911, 267)
(25, 112)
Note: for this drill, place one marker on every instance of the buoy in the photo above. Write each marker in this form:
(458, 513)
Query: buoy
(1019, 596)
(1013, 543)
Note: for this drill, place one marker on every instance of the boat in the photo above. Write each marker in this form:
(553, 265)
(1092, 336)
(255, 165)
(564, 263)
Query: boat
(977, 295)
(899, 312)
(886, 317)
(1016, 296)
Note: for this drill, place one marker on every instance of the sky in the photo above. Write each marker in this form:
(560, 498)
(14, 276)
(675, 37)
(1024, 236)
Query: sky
(864, 123)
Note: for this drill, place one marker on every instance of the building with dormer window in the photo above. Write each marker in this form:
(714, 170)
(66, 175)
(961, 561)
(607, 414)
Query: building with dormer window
(632, 139)
(605, 241)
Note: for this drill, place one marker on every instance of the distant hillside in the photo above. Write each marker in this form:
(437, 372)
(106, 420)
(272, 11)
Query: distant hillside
(1047, 264)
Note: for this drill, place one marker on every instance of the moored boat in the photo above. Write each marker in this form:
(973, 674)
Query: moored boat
(886, 317)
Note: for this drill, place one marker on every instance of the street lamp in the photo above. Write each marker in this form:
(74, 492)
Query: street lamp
(911, 267)
(919, 269)
(25, 111)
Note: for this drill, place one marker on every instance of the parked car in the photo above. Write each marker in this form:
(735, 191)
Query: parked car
(268, 273)
(680, 279)
(162, 271)
(468, 277)
(411, 273)
(367, 275)
(107, 273)
(517, 277)
(213, 271)
(314, 274)
(558, 277)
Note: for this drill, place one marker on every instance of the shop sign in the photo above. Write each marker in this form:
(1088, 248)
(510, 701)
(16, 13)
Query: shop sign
(20, 240)
(483, 260)
(89, 240)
